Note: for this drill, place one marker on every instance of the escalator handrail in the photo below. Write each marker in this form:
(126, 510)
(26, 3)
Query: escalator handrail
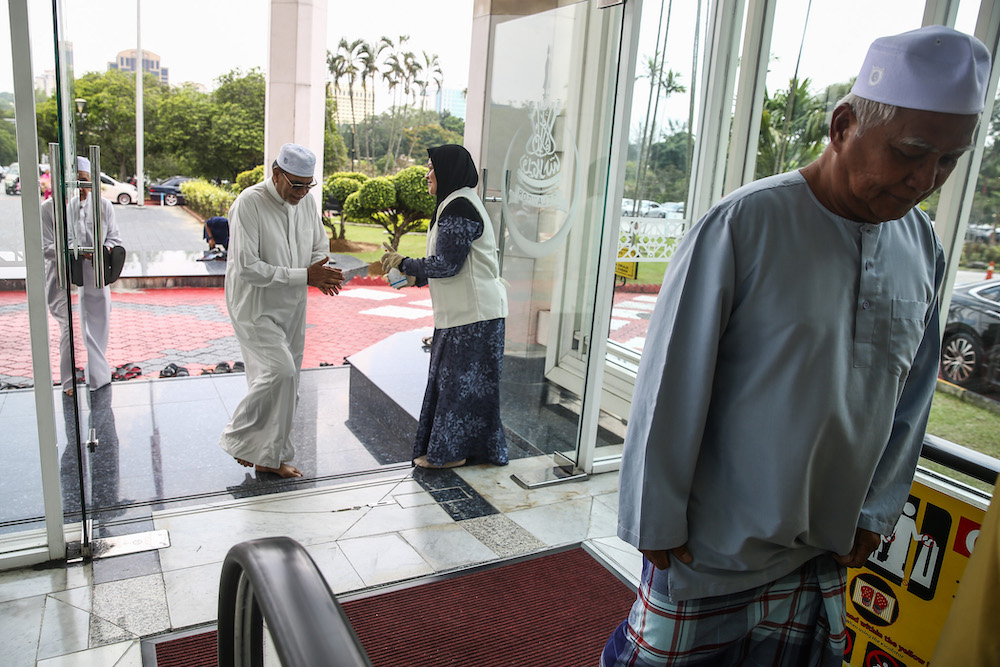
(962, 459)
(306, 623)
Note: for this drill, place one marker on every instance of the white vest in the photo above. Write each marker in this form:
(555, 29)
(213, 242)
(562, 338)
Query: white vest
(477, 292)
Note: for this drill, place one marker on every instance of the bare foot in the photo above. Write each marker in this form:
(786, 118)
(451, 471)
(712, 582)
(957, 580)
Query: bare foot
(422, 462)
(245, 464)
(69, 392)
(284, 470)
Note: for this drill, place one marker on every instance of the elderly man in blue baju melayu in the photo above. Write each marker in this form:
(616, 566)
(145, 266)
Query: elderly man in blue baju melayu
(781, 401)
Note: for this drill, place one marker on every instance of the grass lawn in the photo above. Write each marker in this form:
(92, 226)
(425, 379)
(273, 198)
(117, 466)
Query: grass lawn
(413, 244)
(967, 425)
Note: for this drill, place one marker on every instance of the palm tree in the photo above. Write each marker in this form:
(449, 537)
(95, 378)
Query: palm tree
(793, 129)
(351, 53)
(432, 69)
(394, 74)
(369, 68)
(337, 67)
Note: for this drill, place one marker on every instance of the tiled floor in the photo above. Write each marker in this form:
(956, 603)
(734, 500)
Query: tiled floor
(364, 515)
(364, 523)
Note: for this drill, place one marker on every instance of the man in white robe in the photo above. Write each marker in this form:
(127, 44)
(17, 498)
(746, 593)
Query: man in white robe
(782, 397)
(94, 304)
(278, 247)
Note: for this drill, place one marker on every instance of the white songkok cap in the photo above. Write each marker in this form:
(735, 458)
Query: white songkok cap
(297, 160)
(933, 68)
(82, 164)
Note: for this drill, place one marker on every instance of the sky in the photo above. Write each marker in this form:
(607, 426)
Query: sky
(199, 40)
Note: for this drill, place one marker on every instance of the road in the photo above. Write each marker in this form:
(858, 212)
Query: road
(143, 229)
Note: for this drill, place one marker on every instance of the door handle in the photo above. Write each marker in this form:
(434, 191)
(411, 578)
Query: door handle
(59, 211)
(95, 201)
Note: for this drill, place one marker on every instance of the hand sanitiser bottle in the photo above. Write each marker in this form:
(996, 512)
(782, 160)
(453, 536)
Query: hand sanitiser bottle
(396, 278)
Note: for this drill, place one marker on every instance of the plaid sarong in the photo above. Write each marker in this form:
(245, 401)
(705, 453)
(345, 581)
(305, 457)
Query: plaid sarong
(795, 621)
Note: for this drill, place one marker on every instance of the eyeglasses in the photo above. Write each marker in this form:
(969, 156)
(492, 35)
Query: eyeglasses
(299, 186)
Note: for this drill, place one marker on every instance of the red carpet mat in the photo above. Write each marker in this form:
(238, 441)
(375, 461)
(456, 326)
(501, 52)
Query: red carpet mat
(556, 610)
(193, 651)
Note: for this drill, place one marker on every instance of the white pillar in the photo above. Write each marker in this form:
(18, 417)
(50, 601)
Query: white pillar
(295, 101)
(140, 184)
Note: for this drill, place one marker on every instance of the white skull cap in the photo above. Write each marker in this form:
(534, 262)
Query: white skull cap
(933, 68)
(82, 164)
(297, 160)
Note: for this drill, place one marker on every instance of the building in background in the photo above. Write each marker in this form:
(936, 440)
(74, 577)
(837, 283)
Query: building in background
(363, 104)
(46, 82)
(125, 62)
(451, 100)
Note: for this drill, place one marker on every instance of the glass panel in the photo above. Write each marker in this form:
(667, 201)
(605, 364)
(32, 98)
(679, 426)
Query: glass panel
(549, 137)
(665, 105)
(21, 504)
(970, 354)
(794, 127)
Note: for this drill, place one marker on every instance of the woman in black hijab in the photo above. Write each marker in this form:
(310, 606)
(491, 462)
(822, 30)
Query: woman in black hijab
(460, 415)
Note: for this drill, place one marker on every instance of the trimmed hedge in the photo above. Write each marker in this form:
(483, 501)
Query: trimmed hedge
(249, 177)
(207, 200)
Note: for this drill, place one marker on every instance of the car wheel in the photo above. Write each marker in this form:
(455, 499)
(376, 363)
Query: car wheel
(124, 199)
(961, 356)
(170, 200)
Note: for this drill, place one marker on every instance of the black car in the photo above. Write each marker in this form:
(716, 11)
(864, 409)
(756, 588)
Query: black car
(169, 191)
(970, 353)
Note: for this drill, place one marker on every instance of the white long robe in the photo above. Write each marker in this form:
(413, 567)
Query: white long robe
(95, 304)
(272, 245)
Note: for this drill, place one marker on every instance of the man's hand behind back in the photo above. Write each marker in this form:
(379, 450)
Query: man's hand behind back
(327, 279)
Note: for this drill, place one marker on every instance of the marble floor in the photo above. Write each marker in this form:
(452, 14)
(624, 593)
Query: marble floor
(366, 524)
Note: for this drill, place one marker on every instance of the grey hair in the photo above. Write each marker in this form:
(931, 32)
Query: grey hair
(869, 113)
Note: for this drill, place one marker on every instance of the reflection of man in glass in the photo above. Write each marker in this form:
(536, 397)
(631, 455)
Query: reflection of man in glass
(782, 397)
(102, 472)
(94, 303)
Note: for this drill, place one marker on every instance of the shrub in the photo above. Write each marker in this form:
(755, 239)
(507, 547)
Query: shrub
(249, 177)
(399, 204)
(207, 200)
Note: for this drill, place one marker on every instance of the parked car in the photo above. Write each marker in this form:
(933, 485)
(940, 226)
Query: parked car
(970, 352)
(627, 205)
(170, 189)
(669, 209)
(11, 179)
(116, 191)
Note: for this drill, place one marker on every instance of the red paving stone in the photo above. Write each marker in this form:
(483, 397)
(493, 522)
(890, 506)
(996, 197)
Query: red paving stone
(190, 326)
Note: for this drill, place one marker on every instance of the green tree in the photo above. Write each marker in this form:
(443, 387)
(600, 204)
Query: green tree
(178, 131)
(334, 150)
(452, 123)
(8, 135)
(236, 138)
(339, 187)
(108, 119)
(399, 204)
(793, 129)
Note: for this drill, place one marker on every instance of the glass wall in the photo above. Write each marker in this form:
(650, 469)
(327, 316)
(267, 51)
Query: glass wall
(548, 145)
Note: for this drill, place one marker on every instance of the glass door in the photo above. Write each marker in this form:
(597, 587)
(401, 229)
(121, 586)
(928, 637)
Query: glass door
(552, 92)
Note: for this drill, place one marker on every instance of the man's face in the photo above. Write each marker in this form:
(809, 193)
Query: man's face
(286, 185)
(84, 189)
(894, 166)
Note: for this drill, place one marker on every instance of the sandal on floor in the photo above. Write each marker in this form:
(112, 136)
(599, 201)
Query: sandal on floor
(223, 367)
(181, 372)
(169, 371)
(238, 367)
(427, 340)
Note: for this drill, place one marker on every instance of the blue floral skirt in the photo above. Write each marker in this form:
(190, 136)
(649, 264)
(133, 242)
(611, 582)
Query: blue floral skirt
(460, 415)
